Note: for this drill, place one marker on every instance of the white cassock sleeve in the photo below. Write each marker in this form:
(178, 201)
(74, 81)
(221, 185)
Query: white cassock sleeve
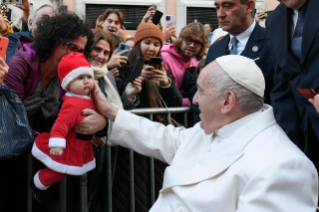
(147, 137)
(278, 188)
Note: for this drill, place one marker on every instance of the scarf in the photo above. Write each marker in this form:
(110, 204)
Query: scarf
(112, 94)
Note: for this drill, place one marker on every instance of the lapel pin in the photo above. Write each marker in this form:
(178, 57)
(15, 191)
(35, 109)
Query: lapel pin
(255, 49)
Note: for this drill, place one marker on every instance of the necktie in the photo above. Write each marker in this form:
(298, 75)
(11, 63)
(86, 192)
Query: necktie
(296, 42)
(233, 42)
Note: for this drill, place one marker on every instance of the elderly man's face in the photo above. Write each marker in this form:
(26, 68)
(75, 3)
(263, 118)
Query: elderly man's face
(208, 100)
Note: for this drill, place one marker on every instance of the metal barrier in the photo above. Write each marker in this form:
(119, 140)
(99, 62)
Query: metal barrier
(83, 181)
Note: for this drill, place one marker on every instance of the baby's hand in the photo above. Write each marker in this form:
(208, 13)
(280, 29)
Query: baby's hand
(56, 151)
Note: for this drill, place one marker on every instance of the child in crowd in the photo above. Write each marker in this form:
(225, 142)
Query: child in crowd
(62, 150)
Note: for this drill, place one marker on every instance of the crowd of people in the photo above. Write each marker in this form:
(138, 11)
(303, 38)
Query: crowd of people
(253, 143)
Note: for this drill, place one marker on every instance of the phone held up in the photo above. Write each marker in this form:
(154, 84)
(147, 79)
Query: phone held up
(3, 46)
(307, 93)
(169, 18)
(122, 47)
(157, 17)
(156, 62)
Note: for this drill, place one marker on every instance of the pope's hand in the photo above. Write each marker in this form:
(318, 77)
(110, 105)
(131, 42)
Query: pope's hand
(102, 104)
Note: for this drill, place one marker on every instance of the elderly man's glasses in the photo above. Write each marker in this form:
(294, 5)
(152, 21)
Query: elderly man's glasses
(74, 48)
(197, 44)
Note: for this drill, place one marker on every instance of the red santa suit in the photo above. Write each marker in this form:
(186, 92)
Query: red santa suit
(78, 156)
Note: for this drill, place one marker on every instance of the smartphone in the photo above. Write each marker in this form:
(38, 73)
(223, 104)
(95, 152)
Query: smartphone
(267, 13)
(157, 17)
(137, 69)
(3, 46)
(156, 62)
(123, 47)
(169, 18)
(307, 93)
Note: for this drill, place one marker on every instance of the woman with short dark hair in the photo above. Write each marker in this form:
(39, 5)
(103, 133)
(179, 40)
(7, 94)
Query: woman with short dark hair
(33, 75)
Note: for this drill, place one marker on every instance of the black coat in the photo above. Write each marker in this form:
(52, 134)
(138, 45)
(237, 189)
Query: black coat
(292, 112)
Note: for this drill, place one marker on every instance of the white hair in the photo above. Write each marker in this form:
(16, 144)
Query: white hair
(33, 13)
(247, 101)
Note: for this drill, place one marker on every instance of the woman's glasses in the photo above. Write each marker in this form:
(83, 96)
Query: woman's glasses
(197, 44)
(74, 48)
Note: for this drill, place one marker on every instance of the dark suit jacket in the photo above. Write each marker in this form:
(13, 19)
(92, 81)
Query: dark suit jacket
(291, 110)
(258, 38)
(13, 42)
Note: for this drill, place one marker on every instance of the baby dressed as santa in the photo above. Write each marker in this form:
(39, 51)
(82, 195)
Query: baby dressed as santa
(62, 150)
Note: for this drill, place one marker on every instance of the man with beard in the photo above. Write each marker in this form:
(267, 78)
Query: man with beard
(191, 45)
(245, 37)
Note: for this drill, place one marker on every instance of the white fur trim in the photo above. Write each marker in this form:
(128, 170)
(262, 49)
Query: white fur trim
(74, 74)
(78, 96)
(38, 183)
(60, 167)
(57, 142)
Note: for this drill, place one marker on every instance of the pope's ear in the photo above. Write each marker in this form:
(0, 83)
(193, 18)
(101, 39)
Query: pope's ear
(229, 103)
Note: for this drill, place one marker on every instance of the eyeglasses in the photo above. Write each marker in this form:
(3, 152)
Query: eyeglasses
(73, 47)
(189, 41)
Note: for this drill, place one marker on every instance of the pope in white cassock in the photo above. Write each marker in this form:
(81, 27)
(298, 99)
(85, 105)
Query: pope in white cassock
(237, 159)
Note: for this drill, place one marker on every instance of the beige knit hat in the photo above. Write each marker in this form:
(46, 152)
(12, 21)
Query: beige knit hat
(147, 30)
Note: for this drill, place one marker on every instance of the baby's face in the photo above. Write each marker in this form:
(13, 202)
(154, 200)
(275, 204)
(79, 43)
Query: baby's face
(82, 85)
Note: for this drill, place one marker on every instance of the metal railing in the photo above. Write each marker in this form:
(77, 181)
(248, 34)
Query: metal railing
(83, 178)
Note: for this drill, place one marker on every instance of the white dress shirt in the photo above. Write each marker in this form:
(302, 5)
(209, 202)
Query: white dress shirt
(242, 38)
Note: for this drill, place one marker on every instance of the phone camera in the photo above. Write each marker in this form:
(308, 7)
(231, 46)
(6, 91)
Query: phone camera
(122, 47)
(168, 18)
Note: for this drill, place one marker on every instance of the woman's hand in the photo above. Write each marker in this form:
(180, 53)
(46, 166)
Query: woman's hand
(150, 13)
(96, 141)
(116, 73)
(4, 68)
(92, 123)
(169, 30)
(56, 151)
(137, 83)
(104, 106)
(315, 102)
(122, 34)
(117, 59)
(150, 73)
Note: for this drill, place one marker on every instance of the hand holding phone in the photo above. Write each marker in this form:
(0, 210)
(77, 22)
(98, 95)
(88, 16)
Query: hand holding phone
(120, 58)
(307, 93)
(170, 18)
